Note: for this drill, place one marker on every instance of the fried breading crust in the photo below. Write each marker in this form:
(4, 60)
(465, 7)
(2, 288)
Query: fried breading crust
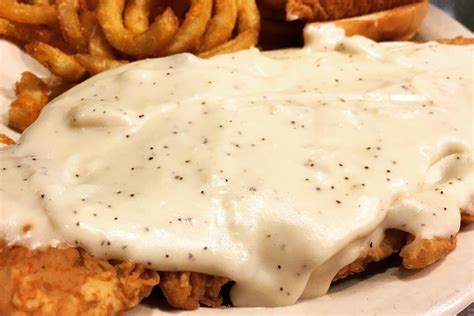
(326, 10)
(4, 139)
(34, 280)
(391, 243)
(460, 40)
(187, 290)
(68, 282)
(467, 218)
(420, 253)
(32, 96)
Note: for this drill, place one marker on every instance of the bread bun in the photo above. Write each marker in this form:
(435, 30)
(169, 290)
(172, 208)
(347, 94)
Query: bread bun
(400, 23)
(328, 10)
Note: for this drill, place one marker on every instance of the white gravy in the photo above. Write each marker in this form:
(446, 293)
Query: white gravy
(275, 170)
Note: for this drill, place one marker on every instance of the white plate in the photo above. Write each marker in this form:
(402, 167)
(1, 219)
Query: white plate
(442, 289)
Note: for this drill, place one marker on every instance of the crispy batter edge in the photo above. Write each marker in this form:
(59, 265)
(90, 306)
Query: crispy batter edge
(184, 290)
(69, 281)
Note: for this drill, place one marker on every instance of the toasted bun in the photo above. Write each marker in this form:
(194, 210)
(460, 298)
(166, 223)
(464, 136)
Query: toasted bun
(400, 23)
(329, 10)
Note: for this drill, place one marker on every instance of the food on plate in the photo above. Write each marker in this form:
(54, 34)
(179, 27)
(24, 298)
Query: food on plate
(128, 30)
(280, 171)
(76, 39)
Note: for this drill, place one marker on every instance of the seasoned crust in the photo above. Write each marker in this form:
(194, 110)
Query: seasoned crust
(460, 40)
(32, 96)
(102, 287)
(4, 139)
(33, 282)
(187, 290)
(467, 218)
(419, 253)
(391, 243)
(68, 282)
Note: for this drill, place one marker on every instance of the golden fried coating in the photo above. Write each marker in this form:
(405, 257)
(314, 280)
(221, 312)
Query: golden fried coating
(32, 96)
(420, 253)
(186, 290)
(467, 214)
(460, 40)
(34, 280)
(4, 139)
(392, 243)
(467, 218)
(68, 282)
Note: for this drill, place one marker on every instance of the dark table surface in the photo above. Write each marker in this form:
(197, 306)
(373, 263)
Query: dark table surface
(462, 10)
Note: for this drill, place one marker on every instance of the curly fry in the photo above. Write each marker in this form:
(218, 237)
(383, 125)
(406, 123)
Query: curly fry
(25, 32)
(97, 64)
(70, 24)
(136, 15)
(98, 45)
(58, 62)
(88, 21)
(192, 29)
(221, 25)
(147, 44)
(28, 13)
(248, 26)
